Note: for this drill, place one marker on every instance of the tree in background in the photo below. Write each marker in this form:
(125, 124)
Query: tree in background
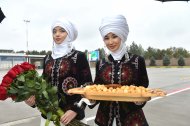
(151, 52)
(169, 52)
(49, 52)
(152, 61)
(172, 52)
(181, 61)
(136, 49)
(180, 52)
(7, 51)
(35, 52)
(20, 51)
(101, 53)
(43, 52)
(166, 60)
(158, 54)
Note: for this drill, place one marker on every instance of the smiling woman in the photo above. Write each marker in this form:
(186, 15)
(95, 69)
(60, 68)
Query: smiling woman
(65, 68)
(59, 35)
(119, 68)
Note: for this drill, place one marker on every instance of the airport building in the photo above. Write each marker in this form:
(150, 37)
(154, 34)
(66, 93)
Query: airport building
(8, 60)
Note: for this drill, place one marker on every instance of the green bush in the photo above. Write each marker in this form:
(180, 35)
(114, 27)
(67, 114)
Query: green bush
(166, 61)
(152, 61)
(181, 61)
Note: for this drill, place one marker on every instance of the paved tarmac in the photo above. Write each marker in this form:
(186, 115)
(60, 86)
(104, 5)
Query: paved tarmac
(172, 110)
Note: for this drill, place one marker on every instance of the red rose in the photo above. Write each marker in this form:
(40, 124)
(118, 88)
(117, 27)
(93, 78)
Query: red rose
(7, 79)
(12, 73)
(27, 66)
(18, 69)
(3, 93)
(5, 84)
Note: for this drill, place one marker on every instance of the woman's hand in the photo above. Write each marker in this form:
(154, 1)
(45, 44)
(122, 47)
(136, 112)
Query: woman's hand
(68, 117)
(30, 101)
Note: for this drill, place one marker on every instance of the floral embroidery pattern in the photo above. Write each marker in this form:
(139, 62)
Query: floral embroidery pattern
(69, 83)
(64, 67)
(48, 69)
(106, 74)
(126, 74)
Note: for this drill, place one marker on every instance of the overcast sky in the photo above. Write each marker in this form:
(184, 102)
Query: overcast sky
(151, 23)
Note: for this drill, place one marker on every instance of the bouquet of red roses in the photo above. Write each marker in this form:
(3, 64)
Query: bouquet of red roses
(23, 81)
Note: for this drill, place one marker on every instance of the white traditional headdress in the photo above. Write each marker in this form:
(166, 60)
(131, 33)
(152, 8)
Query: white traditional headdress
(116, 24)
(60, 50)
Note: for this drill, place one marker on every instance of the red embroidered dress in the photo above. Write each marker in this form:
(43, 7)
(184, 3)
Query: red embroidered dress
(130, 70)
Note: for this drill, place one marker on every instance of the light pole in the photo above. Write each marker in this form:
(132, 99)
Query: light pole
(27, 21)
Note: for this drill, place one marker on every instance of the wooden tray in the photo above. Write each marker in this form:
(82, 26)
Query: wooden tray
(76, 91)
(108, 96)
(113, 97)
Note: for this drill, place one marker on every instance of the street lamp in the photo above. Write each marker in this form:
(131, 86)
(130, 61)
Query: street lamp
(27, 21)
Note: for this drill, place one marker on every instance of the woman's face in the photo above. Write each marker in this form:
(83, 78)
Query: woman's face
(112, 42)
(59, 34)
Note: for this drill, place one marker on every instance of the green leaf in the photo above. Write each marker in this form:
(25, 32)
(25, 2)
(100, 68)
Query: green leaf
(45, 94)
(56, 103)
(47, 122)
(52, 90)
(21, 87)
(19, 83)
(21, 78)
(30, 83)
(60, 112)
(26, 93)
(62, 98)
(41, 102)
(13, 90)
(43, 111)
(20, 98)
(49, 115)
(54, 117)
(44, 85)
(38, 86)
